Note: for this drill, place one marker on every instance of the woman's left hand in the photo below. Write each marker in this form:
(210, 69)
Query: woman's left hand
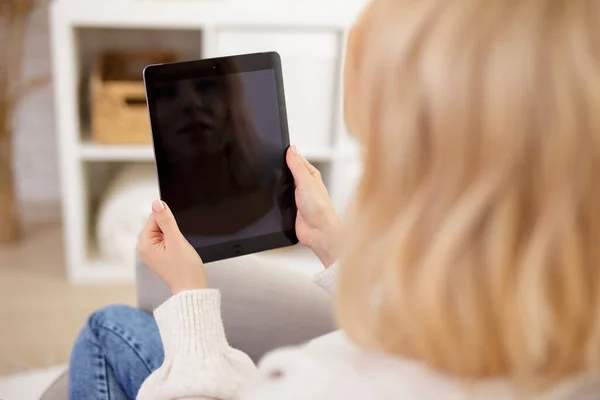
(167, 252)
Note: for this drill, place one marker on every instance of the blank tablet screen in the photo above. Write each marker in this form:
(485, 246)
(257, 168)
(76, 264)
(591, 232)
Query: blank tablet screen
(221, 155)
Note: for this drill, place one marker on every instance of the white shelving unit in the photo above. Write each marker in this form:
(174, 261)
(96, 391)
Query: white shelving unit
(311, 45)
(90, 151)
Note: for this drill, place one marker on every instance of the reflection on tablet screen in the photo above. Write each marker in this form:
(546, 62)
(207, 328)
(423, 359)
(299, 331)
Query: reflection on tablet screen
(222, 156)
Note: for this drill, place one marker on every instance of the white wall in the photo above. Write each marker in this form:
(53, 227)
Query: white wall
(36, 158)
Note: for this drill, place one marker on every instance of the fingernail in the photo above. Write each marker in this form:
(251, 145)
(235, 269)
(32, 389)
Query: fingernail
(295, 149)
(157, 206)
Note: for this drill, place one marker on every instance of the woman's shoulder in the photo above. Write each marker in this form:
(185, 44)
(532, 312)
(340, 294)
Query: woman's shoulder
(331, 368)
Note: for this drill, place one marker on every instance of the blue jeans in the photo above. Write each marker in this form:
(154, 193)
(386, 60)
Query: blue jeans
(115, 352)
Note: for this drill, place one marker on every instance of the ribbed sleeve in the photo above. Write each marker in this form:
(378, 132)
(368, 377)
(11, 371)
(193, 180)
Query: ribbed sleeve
(190, 323)
(326, 279)
(199, 363)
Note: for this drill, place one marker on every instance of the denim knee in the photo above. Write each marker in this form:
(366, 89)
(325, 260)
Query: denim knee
(115, 314)
(117, 350)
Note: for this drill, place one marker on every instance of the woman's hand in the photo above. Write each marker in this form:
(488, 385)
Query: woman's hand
(317, 224)
(164, 249)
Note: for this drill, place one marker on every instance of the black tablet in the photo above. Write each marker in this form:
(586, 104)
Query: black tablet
(220, 134)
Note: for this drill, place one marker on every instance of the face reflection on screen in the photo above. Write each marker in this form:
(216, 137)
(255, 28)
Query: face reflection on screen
(195, 114)
(221, 144)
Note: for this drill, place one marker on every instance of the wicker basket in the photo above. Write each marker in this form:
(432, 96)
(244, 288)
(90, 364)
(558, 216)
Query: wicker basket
(118, 101)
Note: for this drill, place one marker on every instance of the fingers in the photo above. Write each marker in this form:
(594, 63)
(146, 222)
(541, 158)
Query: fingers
(151, 227)
(311, 168)
(297, 165)
(165, 220)
(150, 235)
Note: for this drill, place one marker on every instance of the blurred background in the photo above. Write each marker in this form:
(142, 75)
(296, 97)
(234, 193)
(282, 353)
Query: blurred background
(76, 162)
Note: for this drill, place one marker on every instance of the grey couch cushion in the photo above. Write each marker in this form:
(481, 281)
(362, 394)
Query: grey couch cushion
(264, 306)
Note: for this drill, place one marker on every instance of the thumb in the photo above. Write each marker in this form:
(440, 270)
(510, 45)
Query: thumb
(297, 165)
(165, 219)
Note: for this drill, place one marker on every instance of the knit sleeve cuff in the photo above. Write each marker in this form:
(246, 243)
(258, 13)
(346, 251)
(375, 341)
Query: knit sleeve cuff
(326, 279)
(190, 323)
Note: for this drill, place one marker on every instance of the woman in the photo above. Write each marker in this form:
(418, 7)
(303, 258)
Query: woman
(470, 267)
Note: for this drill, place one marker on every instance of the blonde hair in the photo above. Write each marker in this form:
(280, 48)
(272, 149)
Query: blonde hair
(474, 241)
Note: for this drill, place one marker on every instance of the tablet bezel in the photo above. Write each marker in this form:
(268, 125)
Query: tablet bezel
(218, 67)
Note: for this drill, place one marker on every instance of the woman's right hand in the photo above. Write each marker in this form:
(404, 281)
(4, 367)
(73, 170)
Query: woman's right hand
(317, 224)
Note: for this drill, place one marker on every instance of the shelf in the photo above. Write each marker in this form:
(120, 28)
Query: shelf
(189, 15)
(98, 152)
(89, 151)
(318, 155)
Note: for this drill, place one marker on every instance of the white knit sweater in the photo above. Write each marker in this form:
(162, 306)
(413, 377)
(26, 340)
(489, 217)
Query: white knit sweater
(200, 364)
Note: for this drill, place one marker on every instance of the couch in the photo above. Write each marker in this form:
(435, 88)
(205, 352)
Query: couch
(264, 306)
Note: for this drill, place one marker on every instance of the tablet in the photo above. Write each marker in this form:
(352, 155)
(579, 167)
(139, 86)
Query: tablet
(220, 135)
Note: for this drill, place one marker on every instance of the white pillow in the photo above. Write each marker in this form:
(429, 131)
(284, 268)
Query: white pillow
(123, 213)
